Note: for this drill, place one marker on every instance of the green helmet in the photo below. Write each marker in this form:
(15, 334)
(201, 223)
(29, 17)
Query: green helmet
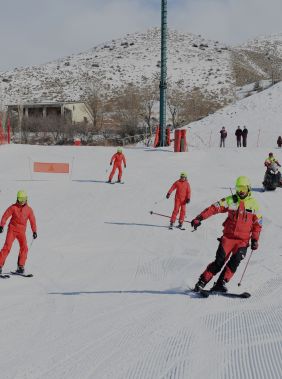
(21, 196)
(243, 181)
(243, 187)
(119, 150)
(183, 174)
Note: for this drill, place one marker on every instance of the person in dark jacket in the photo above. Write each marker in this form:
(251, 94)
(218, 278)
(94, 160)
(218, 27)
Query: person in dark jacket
(238, 135)
(245, 135)
(279, 141)
(223, 135)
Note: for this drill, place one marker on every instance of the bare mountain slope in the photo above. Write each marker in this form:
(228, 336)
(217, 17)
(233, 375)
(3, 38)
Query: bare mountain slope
(192, 62)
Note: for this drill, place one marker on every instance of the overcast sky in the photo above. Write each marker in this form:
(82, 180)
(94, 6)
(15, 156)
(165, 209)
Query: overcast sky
(38, 31)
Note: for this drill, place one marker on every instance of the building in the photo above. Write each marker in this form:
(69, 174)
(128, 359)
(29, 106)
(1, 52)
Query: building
(73, 111)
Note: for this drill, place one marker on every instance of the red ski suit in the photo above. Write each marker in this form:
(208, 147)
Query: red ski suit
(243, 222)
(117, 158)
(183, 194)
(16, 230)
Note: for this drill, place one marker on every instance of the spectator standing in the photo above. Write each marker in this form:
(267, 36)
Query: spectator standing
(238, 135)
(245, 135)
(279, 141)
(223, 135)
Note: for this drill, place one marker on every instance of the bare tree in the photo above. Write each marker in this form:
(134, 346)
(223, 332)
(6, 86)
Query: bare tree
(176, 104)
(128, 109)
(149, 96)
(95, 104)
(198, 105)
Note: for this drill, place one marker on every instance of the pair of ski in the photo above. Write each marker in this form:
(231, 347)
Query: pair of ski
(7, 276)
(207, 293)
(117, 182)
(177, 227)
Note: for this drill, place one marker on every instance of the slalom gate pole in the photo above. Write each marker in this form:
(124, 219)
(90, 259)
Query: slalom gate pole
(245, 268)
(160, 214)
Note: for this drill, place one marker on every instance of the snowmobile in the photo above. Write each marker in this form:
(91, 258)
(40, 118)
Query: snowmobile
(272, 178)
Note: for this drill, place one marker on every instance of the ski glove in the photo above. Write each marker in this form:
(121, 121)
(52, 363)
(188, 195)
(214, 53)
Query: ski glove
(196, 222)
(187, 201)
(1, 229)
(125, 166)
(167, 195)
(34, 235)
(111, 163)
(254, 244)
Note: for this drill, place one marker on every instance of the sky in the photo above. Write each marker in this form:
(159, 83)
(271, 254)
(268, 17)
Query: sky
(38, 31)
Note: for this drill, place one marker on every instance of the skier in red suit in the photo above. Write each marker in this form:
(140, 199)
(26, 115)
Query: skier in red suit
(242, 228)
(20, 213)
(117, 158)
(182, 197)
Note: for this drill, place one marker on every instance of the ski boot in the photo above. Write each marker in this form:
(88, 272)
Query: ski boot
(170, 225)
(180, 225)
(199, 285)
(219, 286)
(109, 181)
(118, 181)
(20, 270)
(0, 270)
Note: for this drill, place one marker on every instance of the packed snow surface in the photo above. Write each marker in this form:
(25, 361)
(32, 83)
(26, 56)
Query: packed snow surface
(107, 297)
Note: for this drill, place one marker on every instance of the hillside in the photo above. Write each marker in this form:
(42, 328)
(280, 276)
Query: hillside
(193, 62)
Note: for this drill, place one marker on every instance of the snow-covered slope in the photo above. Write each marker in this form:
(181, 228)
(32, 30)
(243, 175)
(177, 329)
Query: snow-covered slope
(265, 44)
(260, 113)
(194, 61)
(106, 300)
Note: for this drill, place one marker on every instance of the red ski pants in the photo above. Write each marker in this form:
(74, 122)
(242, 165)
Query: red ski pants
(178, 204)
(116, 166)
(11, 236)
(228, 248)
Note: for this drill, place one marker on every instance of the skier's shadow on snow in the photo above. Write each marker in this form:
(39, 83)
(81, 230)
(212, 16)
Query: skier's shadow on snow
(88, 181)
(135, 224)
(254, 189)
(176, 291)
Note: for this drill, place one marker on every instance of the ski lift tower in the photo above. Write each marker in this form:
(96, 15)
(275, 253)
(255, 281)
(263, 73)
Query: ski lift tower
(163, 83)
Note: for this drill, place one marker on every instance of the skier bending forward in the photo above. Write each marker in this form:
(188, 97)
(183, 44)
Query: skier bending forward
(244, 222)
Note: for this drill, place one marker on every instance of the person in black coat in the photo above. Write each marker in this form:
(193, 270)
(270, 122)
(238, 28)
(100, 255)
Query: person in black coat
(244, 135)
(279, 141)
(223, 135)
(238, 135)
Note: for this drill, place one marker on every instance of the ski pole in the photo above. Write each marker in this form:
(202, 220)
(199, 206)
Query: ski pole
(245, 269)
(160, 214)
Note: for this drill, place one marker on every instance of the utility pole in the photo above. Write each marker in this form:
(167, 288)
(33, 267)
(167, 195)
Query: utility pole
(163, 83)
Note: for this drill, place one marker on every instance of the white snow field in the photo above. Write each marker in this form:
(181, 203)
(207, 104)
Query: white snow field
(107, 297)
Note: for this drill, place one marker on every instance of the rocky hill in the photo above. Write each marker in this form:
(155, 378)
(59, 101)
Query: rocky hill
(193, 61)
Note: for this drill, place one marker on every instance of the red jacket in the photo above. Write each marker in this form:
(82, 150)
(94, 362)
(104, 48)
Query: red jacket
(243, 221)
(118, 158)
(20, 216)
(183, 190)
